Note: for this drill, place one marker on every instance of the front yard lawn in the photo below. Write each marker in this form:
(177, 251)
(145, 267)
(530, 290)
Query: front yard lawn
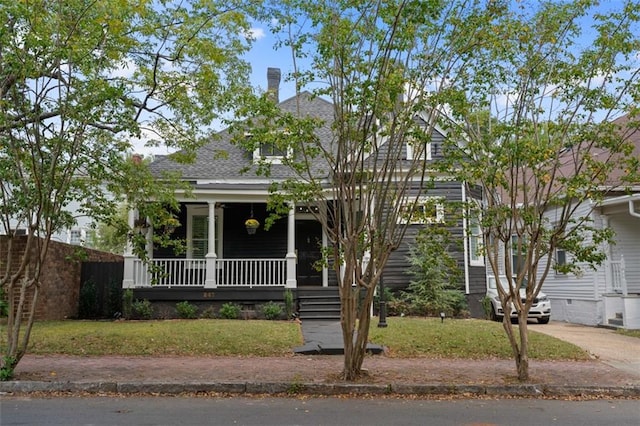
(170, 337)
(405, 337)
(464, 338)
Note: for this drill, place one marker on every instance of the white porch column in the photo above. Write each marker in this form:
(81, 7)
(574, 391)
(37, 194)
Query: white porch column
(211, 280)
(608, 273)
(149, 237)
(129, 258)
(291, 248)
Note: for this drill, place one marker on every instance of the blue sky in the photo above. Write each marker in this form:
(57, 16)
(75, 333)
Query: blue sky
(264, 55)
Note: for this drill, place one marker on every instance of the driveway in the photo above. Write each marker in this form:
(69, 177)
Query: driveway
(616, 350)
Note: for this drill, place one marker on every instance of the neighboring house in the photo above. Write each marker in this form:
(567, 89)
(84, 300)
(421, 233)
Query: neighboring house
(227, 260)
(79, 234)
(610, 294)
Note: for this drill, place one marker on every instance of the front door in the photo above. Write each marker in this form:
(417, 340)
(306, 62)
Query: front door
(308, 247)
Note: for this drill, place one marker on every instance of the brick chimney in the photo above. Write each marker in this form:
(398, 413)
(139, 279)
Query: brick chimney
(273, 83)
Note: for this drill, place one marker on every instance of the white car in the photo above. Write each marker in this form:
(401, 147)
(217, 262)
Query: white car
(540, 309)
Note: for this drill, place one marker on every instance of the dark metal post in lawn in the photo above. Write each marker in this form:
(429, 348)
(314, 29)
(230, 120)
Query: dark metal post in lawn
(382, 314)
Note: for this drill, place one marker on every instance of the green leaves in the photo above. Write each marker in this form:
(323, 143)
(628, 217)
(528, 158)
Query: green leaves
(78, 81)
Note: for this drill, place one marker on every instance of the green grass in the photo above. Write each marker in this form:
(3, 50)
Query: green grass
(172, 337)
(470, 339)
(405, 337)
(630, 333)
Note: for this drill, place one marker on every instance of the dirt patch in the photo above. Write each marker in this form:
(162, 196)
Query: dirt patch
(313, 369)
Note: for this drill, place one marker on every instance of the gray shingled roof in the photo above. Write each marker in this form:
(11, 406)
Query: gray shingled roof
(222, 160)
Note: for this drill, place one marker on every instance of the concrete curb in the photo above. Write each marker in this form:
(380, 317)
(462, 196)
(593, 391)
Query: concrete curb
(278, 388)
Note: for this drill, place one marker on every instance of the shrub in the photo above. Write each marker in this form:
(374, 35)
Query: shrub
(271, 310)
(389, 298)
(434, 288)
(486, 306)
(127, 303)
(88, 300)
(186, 310)
(288, 302)
(143, 309)
(208, 313)
(8, 367)
(230, 310)
(115, 299)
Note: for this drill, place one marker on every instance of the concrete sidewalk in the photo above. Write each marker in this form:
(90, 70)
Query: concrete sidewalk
(323, 337)
(616, 350)
(603, 376)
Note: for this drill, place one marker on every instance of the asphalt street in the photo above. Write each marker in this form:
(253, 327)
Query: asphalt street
(313, 411)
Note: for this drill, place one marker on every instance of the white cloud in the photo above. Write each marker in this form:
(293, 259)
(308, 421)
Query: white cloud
(127, 68)
(257, 33)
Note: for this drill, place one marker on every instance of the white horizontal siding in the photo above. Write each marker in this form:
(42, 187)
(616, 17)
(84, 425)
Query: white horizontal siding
(588, 284)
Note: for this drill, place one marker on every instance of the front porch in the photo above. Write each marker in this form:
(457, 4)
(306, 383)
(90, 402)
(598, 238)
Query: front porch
(222, 252)
(250, 273)
(622, 308)
(621, 295)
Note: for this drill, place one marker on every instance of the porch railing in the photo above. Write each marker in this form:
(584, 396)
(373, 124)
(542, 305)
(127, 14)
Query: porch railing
(192, 272)
(251, 272)
(170, 272)
(618, 279)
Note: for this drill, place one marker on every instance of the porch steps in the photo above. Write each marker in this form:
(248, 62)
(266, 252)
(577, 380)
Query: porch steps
(319, 303)
(617, 321)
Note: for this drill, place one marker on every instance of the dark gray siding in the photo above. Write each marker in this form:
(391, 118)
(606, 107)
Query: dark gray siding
(238, 244)
(180, 233)
(477, 274)
(396, 272)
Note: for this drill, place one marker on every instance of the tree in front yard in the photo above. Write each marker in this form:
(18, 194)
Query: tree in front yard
(537, 117)
(434, 287)
(387, 68)
(78, 81)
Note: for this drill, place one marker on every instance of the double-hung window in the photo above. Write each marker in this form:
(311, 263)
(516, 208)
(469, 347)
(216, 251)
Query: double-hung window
(518, 254)
(418, 150)
(476, 246)
(271, 152)
(424, 210)
(198, 231)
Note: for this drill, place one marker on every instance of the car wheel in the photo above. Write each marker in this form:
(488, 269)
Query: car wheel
(494, 316)
(544, 320)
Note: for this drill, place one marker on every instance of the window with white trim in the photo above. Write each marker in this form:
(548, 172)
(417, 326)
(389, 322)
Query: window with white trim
(424, 210)
(199, 236)
(418, 150)
(75, 237)
(560, 260)
(270, 152)
(476, 242)
(518, 254)
(198, 231)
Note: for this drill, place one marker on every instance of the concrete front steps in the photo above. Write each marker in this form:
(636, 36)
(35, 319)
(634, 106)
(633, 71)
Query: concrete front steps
(319, 303)
(617, 321)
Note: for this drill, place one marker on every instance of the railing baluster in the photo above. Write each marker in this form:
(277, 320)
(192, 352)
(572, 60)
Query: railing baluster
(232, 272)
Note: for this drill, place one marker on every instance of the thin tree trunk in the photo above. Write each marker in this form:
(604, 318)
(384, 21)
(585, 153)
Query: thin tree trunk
(348, 306)
(356, 341)
(522, 361)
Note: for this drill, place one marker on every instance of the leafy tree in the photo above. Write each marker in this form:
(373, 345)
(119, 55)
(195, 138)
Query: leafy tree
(536, 112)
(434, 287)
(108, 236)
(382, 64)
(78, 81)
